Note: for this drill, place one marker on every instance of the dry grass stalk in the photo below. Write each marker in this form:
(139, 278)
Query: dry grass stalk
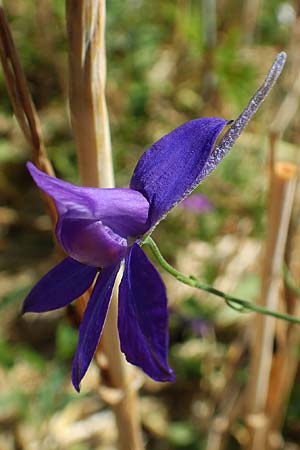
(22, 103)
(87, 74)
(286, 358)
(282, 191)
(284, 368)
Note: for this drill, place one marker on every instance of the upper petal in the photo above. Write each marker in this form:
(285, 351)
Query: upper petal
(170, 169)
(125, 211)
(92, 323)
(59, 287)
(143, 316)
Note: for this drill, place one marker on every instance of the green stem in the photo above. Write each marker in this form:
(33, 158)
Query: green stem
(235, 303)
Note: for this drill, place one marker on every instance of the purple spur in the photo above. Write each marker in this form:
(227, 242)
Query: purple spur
(100, 229)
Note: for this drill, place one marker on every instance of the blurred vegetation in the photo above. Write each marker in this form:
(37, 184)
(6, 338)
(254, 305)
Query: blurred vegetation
(161, 72)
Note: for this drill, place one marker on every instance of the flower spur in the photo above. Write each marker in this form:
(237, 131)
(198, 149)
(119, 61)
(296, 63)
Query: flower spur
(100, 229)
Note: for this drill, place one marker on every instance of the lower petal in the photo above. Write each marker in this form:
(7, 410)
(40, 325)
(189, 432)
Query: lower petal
(59, 287)
(92, 323)
(90, 242)
(143, 317)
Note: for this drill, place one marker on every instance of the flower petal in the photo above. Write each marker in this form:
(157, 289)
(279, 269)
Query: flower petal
(90, 242)
(143, 316)
(59, 287)
(125, 211)
(170, 169)
(92, 323)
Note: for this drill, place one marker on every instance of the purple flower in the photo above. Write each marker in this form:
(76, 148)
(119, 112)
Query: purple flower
(99, 229)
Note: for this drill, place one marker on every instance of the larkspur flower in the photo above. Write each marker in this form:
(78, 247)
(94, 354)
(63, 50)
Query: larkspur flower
(100, 229)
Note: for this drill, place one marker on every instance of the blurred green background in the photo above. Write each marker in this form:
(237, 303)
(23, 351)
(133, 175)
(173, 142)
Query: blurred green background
(168, 62)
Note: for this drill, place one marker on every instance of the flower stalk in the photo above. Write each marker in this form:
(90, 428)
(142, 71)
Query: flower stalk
(238, 304)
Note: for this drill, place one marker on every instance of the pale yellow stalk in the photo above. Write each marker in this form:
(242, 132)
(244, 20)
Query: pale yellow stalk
(282, 190)
(90, 124)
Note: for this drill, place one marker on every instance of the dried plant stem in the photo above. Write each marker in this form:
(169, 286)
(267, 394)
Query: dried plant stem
(22, 104)
(87, 74)
(284, 368)
(286, 358)
(282, 190)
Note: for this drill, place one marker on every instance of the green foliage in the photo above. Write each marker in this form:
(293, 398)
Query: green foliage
(235, 77)
(195, 309)
(66, 341)
(51, 395)
(7, 357)
(271, 30)
(183, 435)
(13, 297)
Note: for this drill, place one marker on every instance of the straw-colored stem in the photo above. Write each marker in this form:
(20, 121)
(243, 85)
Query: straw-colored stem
(89, 117)
(284, 362)
(87, 75)
(284, 368)
(282, 192)
(286, 359)
(22, 104)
